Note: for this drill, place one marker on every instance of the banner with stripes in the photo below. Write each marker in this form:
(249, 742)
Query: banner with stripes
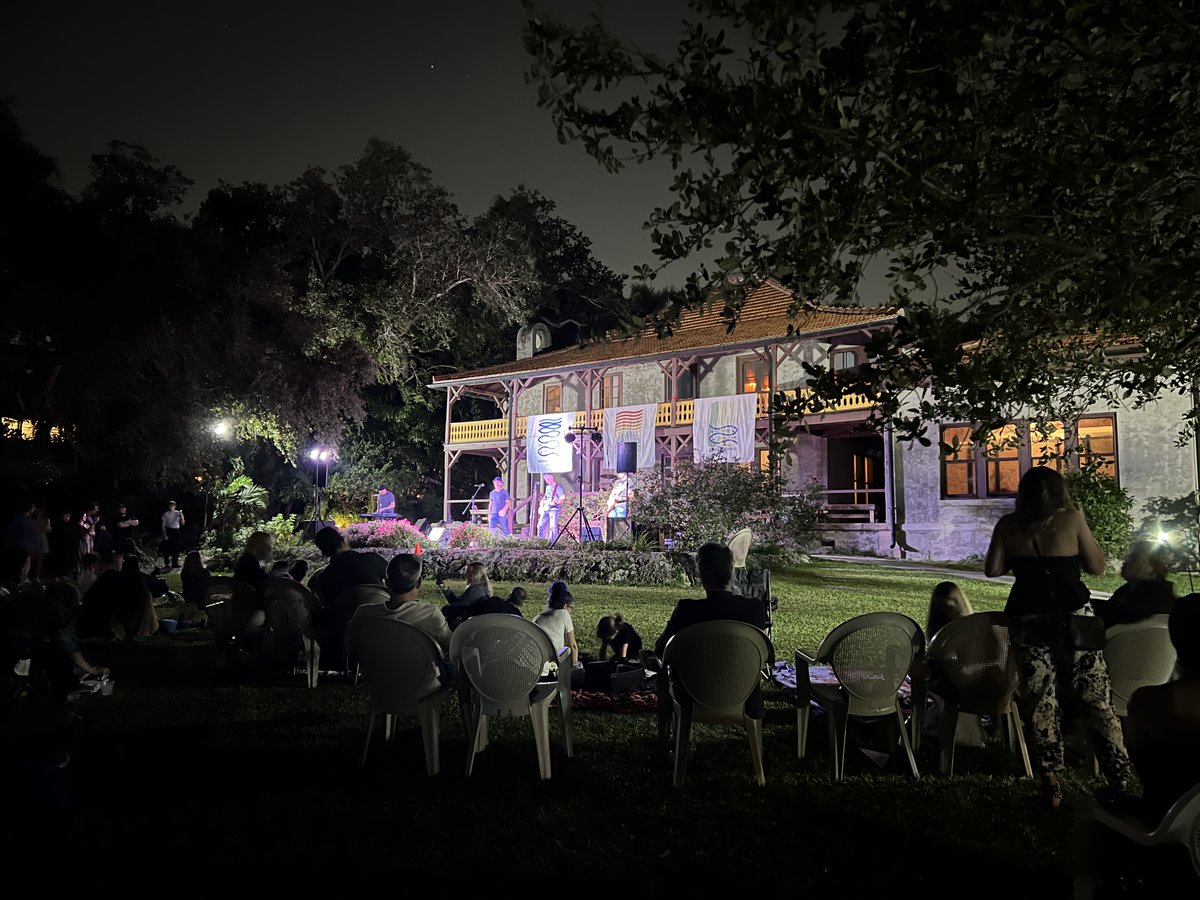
(627, 424)
(723, 428)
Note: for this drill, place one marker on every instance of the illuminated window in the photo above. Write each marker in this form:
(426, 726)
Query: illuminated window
(754, 376)
(1048, 445)
(552, 401)
(1015, 448)
(1096, 438)
(958, 462)
(1002, 458)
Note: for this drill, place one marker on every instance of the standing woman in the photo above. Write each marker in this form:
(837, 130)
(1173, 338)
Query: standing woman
(1046, 542)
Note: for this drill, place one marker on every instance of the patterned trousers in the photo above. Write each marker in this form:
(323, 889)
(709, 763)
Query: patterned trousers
(1040, 659)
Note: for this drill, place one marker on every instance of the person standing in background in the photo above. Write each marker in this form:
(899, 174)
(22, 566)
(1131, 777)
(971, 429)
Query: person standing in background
(498, 503)
(123, 526)
(172, 522)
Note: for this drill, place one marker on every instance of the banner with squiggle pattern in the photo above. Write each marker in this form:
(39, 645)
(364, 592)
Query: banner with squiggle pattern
(546, 444)
(723, 428)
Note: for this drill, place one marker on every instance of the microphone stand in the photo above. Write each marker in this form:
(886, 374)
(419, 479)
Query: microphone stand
(469, 515)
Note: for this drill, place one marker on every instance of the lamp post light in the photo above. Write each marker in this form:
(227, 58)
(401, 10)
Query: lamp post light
(318, 456)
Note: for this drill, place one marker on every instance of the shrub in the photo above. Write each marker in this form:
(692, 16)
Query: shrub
(1106, 505)
(709, 500)
(587, 565)
(397, 533)
(465, 535)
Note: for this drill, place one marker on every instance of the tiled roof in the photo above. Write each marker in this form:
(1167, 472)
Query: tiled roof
(764, 318)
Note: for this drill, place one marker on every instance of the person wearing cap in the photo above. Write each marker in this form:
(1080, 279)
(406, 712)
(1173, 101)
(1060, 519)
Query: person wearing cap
(498, 503)
(386, 506)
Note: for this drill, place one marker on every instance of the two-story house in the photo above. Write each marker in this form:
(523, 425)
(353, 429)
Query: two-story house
(882, 496)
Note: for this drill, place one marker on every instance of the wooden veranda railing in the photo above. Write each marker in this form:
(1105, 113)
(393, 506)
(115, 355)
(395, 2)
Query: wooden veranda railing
(490, 431)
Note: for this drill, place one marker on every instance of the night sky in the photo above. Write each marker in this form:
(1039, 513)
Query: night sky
(258, 91)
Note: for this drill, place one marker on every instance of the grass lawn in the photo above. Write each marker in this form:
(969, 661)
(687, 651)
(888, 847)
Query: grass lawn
(252, 784)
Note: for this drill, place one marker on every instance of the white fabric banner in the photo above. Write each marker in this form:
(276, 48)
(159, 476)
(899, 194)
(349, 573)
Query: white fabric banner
(546, 444)
(723, 428)
(626, 424)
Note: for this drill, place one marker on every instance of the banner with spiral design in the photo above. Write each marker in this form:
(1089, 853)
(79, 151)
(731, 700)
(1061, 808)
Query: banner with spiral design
(723, 428)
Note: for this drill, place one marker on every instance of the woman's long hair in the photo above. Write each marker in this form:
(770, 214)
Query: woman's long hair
(1041, 493)
(193, 563)
(476, 573)
(261, 545)
(945, 605)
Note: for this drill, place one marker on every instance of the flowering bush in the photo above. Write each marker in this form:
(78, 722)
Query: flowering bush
(466, 535)
(589, 564)
(398, 533)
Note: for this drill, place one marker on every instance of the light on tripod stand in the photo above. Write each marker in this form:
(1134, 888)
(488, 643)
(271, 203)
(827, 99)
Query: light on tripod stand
(570, 438)
(597, 437)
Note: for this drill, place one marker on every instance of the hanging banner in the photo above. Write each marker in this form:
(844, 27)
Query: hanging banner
(627, 425)
(723, 428)
(546, 444)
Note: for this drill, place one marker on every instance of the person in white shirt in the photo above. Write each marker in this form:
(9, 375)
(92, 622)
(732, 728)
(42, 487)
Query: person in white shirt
(556, 622)
(404, 583)
(172, 521)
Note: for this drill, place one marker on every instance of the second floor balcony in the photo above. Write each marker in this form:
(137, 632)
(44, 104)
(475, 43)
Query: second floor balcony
(495, 431)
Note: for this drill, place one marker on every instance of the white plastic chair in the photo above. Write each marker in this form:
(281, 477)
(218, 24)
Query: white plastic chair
(713, 668)
(974, 657)
(739, 546)
(1180, 825)
(289, 606)
(499, 659)
(399, 663)
(870, 655)
(1138, 655)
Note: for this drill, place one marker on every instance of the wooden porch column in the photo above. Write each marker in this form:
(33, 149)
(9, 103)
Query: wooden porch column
(452, 395)
(889, 488)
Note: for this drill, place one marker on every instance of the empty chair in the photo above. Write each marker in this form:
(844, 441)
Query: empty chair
(870, 655)
(499, 659)
(974, 670)
(289, 606)
(1180, 825)
(713, 668)
(1138, 654)
(399, 663)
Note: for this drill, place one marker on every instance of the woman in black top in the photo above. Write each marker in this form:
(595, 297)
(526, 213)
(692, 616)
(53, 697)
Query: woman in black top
(1046, 543)
(613, 631)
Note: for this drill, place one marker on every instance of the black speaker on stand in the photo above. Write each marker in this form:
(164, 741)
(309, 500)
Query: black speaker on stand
(312, 526)
(627, 454)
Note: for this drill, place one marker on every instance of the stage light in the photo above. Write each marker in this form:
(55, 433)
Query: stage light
(325, 455)
(314, 454)
(570, 438)
(437, 532)
(597, 437)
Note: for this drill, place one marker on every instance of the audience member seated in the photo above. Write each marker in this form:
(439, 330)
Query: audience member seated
(35, 625)
(457, 613)
(613, 631)
(89, 570)
(478, 586)
(194, 578)
(1162, 733)
(1146, 591)
(251, 567)
(119, 605)
(714, 562)
(346, 569)
(404, 584)
(947, 604)
(555, 620)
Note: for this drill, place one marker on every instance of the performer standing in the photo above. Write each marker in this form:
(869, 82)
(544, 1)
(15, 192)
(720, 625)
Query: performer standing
(498, 502)
(386, 506)
(618, 503)
(551, 506)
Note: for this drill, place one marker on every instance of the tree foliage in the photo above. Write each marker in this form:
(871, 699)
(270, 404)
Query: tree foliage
(1025, 171)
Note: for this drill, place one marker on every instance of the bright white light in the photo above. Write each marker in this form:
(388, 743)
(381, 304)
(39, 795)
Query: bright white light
(1164, 537)
(314, 454)
(222, 428)
(326, 455)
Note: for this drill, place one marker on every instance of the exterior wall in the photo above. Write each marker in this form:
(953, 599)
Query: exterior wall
(805, 461)
(1149, 464)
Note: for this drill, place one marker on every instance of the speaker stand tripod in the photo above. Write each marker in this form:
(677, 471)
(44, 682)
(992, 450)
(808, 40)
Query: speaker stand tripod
(579, 516)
